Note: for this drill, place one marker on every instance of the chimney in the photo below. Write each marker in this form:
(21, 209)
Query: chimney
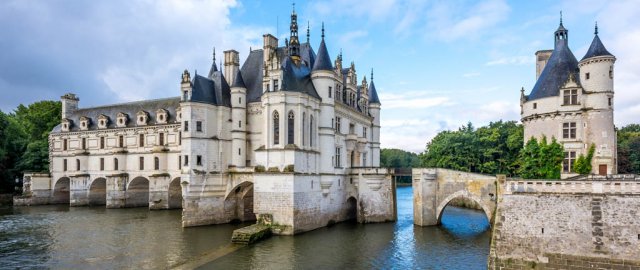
(542, 57)
(270, 46)
(231, 65)
(69, 104)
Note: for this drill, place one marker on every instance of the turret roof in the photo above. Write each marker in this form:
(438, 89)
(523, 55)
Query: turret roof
(596, 49)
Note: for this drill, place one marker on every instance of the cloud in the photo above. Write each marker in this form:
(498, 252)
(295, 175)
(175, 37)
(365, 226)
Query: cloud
(454, 20)
(412, 100)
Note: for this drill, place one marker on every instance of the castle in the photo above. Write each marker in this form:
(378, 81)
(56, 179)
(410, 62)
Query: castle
(290, 138)
(572, 101)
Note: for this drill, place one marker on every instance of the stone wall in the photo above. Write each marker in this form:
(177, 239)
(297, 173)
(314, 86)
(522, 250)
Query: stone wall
(567, 225)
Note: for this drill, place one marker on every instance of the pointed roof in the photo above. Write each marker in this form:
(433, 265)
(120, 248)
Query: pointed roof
(373, 94)
(214, 90)
(239, 81)
(557, 70)
(596, 48)
(214, 67)
(297, 78)
(323, 62)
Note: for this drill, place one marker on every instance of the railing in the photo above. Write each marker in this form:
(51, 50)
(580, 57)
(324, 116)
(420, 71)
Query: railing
(601, 185)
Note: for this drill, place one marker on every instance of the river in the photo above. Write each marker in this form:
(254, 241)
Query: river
(97, 238)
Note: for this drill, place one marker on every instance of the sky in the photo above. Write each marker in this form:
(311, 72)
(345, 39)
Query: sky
(437, 64)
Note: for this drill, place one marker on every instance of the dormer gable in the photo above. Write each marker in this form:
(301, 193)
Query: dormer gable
(122, 119)
(142, 118)
(571, 82)
(66, 124)
(85, 122)
(103, 121)
(161, 116)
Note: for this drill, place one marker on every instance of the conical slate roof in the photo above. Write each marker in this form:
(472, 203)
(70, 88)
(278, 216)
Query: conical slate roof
(561, 63)
(239, 81)
(323, 61)
(596, 49)
(373, 94)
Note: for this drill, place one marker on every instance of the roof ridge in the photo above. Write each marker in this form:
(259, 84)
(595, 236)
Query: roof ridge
(129, 103)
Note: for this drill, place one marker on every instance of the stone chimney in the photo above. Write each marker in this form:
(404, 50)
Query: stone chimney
(231, 65)
(270, 46)
(69, 104)
(542, 57)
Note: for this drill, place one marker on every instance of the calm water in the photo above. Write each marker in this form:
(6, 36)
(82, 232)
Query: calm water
(87, 237)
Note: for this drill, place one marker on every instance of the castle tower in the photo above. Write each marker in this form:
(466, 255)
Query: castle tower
(374, 110)
(323, 78)
(596, 77)
(239, 117)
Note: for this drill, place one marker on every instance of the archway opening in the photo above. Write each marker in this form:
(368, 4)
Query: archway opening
(175, 194)
(238, 205)
(138, 193)
(464, 215)
(352, 209)
(98, 192)
(61, 194)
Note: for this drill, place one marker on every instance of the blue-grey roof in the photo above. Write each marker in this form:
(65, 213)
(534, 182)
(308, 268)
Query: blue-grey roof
(596, 49)
(213, 90)
(239, 81)
(323, 62)
(556, 72)
(129, 108)
(297, 78)
(373, 94)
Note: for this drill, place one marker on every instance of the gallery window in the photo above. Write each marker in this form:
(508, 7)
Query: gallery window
(276, 127)
(290, 128)
(569, 130)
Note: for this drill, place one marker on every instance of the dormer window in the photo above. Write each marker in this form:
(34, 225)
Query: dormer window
(161, 116)
(66, 124)
(85, 122)
(103, 121)
(122, 119)
(142, 118)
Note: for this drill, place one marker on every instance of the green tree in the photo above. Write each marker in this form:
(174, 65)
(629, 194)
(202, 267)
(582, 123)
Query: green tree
(541, 160)
(396, 158)
(583, 163)
(37, 120)
(629, 149)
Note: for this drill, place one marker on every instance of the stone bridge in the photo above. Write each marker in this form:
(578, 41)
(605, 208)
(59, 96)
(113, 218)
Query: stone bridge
(434, 189)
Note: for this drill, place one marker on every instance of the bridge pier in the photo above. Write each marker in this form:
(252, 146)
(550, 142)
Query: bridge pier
(424, 197)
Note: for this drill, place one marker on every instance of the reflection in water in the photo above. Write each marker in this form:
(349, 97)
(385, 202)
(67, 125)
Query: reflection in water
(95, 237)
(461, 242)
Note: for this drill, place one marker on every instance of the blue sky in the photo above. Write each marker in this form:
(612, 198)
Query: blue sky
(437, 64)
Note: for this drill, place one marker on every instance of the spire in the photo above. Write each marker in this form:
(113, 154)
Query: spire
(560, 17)
(371, 74)
(561, 35)
(307, 31)
(373, 94)
(214, 68)
(294, 43)
(239, 81)
(323, 61)
(596, 32)
(596, 48)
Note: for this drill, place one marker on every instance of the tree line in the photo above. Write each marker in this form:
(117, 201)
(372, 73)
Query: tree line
(24, 140)
(499, 148)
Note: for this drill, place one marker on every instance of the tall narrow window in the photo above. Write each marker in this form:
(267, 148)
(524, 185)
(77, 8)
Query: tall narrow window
(156, 163)
(141, 163)
(611, 72)
(567, 163)
(199, 160)
(338, 125)
(141, 140)
(115, 164)
(303, 128)
(179, 162)
(84, 143)
(64, 165)
(199, 126)
(161, 139)
(64, 144)
(569, 130)
(186, 125)
(276, 127)
(240, 123)
(186, 160)
(311, 130)
(179, 138)
(275, 85)
(330, 91)
(609, 99)
(120, 141)
(587, 75)
(290, 126)
(101, 142)
(77, 165)
(102, 164)
(337, 159)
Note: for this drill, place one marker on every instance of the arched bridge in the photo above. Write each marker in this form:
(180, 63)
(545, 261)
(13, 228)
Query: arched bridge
(434, 189)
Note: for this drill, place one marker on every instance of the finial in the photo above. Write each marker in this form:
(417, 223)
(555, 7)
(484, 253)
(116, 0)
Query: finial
(596, 28)
(560, 17)
(307, 31)
(214, 55)
(322, 30)
(220, 66)
(294, 8)
(522, 89)
(372, 74)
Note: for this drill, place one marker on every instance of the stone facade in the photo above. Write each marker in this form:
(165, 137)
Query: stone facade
(292, 137)
(589, 223)
(572, 102)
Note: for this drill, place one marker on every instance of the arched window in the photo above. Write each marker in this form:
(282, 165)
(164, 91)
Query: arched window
(310, 130)
(304, 124)
(290, 126)
(276, 127)
(156, 163)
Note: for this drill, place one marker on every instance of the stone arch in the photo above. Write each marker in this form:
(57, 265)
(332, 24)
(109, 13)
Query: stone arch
(351, 209)
(98, 191)
(175, 194)
(238, 204)
(61, 191)
(137, 194)
(467, 195)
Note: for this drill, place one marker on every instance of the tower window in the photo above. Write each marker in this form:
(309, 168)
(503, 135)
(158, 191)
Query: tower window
(275, 85)
(239, 152)
(64, 145)
(569, 130)
(141, 140)
(77, 165)
(161, 139)
(199, 126)
(186, 160)
(101, 142)
(569, 159)
(84, 143)
(290, 128)
(186, 125)
(121, 141)
(102, 164)
(276, 127)
(587, 75)
(330, 91)
(141, 163)
(570, 97)
(156, 163)
(240, 100)
(611, 72)
(311, 130)
(240, 123)
(64, 165)
(115, 164)
(535, 105)
(609, 100)
(199, 160)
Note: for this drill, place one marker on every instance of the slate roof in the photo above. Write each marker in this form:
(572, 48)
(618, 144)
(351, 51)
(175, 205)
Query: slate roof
(323, 62)
(596, 49)
(297, 78)
(130, 108)
(373, 94)
(239, 81)
(213, 90)
(561, 63)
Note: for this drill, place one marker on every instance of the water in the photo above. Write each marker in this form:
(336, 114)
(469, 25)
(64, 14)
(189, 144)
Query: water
(88, 237)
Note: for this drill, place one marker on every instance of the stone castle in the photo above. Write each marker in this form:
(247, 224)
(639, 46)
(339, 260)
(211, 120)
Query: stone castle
(572, 101)
(291, 138)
